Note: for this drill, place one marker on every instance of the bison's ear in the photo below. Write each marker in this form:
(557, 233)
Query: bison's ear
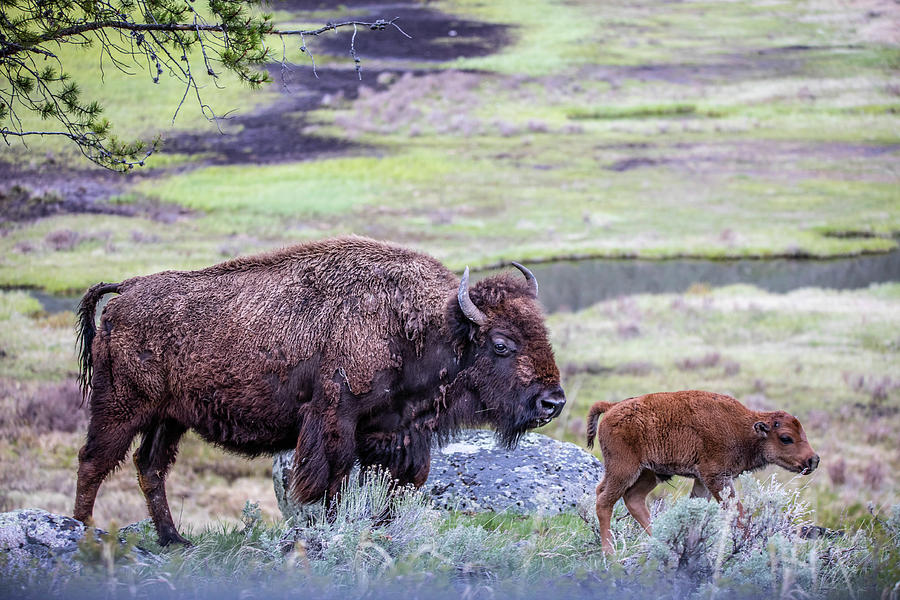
(761, 428)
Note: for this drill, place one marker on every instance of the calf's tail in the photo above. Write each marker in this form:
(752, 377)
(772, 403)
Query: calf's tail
(85, 330)
(593, 416)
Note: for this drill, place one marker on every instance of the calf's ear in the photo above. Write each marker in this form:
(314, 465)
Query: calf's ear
(761, 428)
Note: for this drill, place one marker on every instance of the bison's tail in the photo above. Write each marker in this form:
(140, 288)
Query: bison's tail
(593, 416)
(85, 331)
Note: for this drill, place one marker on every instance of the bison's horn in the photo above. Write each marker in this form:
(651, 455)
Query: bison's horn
(465, 303)
(529, 277)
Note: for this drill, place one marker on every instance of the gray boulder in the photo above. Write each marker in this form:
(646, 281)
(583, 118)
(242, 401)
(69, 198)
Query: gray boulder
(34, 538)
(31, 537)
(473, 473)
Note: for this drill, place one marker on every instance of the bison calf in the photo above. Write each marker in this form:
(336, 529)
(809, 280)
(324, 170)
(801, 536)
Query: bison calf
(709, 437)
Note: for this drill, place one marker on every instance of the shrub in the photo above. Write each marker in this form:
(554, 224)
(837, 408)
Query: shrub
(369, 527)
(837, 471)
(685, 536)
(873, 474)
(704, 362)
(55, 407)
(702, 543)
(354, 550)
(62, 239)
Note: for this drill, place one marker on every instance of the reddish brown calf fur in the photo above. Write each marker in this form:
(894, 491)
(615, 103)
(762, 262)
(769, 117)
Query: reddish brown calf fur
(709, 437)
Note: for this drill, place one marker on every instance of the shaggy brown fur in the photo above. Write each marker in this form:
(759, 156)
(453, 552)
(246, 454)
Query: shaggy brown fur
(346, 349)
(709, 437)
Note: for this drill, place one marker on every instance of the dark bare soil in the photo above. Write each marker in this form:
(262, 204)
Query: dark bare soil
(275, 133)
(28, 193)
(31, 194)
(19, 203)
(434, 36)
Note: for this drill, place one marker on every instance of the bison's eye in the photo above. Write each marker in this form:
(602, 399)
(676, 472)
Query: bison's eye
(785, 440)
(500, 348)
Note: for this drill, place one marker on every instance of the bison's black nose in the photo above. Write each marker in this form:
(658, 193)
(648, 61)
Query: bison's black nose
(551, 402)
(812, 463)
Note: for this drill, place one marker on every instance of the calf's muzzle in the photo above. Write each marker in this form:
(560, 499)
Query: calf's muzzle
(812, 463)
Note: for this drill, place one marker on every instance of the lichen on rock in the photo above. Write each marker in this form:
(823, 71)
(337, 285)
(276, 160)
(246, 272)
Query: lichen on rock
(33, 537)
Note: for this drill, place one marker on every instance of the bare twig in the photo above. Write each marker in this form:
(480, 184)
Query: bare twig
(9, 48)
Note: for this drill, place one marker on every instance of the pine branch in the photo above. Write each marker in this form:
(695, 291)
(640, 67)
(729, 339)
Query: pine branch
(159, 33)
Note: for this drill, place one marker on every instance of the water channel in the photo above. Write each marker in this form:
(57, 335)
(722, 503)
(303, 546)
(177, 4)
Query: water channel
(577, 284)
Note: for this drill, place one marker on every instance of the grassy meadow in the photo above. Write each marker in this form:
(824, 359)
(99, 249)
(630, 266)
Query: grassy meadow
(640, 129)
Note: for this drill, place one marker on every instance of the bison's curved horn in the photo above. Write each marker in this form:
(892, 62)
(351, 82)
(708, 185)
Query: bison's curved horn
(529, 277)
(468, 307)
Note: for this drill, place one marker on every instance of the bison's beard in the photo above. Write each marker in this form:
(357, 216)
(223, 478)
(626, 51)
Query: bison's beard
(510, 436)
(511, 422)
(489, 401)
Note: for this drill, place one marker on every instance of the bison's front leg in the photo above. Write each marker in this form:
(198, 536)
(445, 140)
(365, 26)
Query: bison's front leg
(716, 483)
(310, 469)
(415, 466)
(405, 455)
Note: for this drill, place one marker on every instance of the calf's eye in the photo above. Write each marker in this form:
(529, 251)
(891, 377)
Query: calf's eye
(501, 348)
(786, 440)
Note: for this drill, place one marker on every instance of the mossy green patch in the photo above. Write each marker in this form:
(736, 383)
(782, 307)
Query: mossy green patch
(320, 187)
(644, 111)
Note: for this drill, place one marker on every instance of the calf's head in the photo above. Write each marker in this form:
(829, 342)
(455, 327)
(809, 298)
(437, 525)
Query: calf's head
(784, 443)
(513, 380)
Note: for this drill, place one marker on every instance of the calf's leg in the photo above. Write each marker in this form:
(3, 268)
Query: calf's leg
(715, 483)
(152, 459)
(636, 498)
(699, 490)
(615, 483)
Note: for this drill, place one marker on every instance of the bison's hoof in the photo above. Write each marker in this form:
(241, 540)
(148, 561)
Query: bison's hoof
(173, 538)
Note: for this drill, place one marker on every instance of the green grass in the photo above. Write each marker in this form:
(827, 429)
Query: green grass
(316, 188)
(33, 347)
(539, 203)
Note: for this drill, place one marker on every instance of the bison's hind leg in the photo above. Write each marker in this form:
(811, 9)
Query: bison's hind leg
(621, 474)
(152, 459)
(699, 490)
(109, 436)
(636, 498)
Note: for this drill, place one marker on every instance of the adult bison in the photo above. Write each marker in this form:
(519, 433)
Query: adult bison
(346, 349)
